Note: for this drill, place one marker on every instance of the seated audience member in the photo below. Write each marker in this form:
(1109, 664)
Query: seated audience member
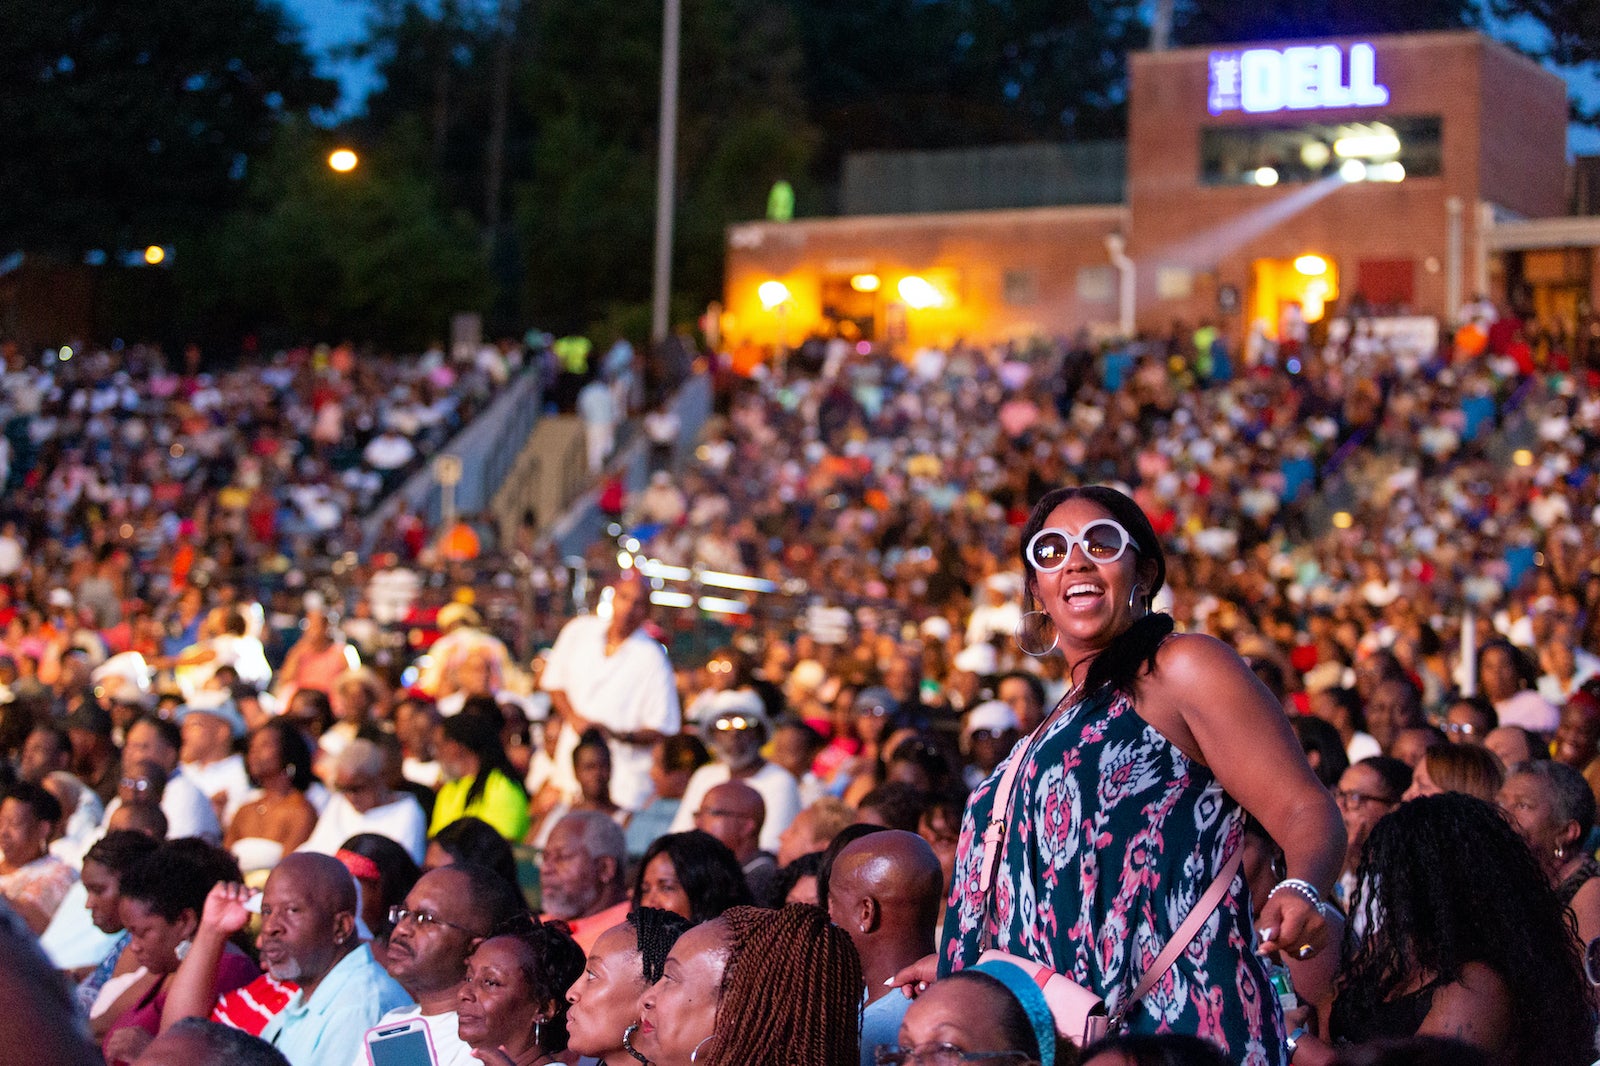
(1550, 804)
(1368, 790)
(32, 881)
(446, 916)
(893, 805)
(992, 1011)
(512, 1003)
(1464, 768)
(673, 762)
(940, 826)
(188, 810)
(733, 813)
(277, 818)
(209, 727)
(139, 818)
(591, 768)
(82, 815)
(363, 803)
(917, 763)
(46, 750)
(95, 759)
(987, 736)
(797, 882)
(583, 875)
(603, 1003)
(735, 734)
(813, 829)
(1507, 676)
(884, 891)
(1460, 933)
(1341, 708)
(384, 873)
(1415, 741)
(795, 746)
(1323, 747)
(308, 936)
(472, 840)
(691, 874)
(1312, 978)
(162, 899)
(479, 780)
(1470, 720)
(1577, 740)
(39, 1012)
(108, 861)
(1395, 704)
(756, 987)
(198, 1042)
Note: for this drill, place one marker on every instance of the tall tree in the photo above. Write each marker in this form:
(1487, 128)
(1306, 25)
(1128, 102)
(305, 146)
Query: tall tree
(1568, 38)
(134, 123)
(1230, 21)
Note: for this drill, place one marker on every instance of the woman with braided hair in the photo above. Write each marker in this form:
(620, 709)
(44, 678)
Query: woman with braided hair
(756, 987)
(603, 1002)
(1463, 936)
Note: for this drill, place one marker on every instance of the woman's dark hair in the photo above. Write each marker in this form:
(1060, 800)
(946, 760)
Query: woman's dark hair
(1571, 799)
(924, 754)
(899, 805)
(1159, 1049)
(176, 877)
(294, 750)
(791, 991)
(121, 850)
(1349, 700)
(707, 871)
(591, 739)
(1445, 881)
(1396, 774)
(683, 752)
(321, 717)
(481, 736)
(1320, 737)
(1134, 652)
(1015, 1028)
(655, 931)
(1521, 661)
(474, 840)
(558, 962)
(41, 804)
(396, 871)
(1414, 1051)
(807, 865)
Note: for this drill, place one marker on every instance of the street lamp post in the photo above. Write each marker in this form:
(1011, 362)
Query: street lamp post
(666, 167)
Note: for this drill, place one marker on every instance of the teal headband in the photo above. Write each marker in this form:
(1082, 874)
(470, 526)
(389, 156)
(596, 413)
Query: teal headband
(1021, 986)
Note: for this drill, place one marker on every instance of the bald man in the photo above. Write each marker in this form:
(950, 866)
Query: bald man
(885, 891)
(308, 936)
(733, 812)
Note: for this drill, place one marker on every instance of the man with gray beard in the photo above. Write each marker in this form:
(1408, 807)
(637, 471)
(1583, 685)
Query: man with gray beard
(583, 875)
(308, 936)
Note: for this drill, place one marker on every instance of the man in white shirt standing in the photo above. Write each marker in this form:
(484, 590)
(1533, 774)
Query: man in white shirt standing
(609, 674)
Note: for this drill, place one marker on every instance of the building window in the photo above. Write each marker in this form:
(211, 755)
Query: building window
(1020, 288)
(1387, 149)
(1096, 284)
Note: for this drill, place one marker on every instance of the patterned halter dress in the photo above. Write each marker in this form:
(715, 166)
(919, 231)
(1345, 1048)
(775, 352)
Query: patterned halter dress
(1114, 835)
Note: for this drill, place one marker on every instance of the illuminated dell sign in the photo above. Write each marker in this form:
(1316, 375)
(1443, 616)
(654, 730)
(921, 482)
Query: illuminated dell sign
(1303, 78)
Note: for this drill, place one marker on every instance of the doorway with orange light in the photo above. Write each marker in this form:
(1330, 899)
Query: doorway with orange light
(1288, 292)
(850, 305)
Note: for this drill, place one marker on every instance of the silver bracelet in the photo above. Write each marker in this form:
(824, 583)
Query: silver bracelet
(1305, 888)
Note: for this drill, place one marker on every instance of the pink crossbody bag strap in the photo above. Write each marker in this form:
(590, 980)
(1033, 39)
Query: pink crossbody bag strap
(1199, 914)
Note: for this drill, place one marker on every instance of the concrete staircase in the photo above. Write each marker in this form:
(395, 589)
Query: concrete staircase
(547, 476)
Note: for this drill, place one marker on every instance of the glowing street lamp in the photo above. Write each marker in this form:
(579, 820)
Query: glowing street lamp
(155, 254)
(342, 160)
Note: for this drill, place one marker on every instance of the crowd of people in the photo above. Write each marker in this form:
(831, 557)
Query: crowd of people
(962, 723)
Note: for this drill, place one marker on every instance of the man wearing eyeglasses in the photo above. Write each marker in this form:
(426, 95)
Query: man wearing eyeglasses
(446, 915)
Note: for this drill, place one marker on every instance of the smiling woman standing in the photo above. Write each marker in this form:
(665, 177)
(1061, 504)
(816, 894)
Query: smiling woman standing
(1130, 798)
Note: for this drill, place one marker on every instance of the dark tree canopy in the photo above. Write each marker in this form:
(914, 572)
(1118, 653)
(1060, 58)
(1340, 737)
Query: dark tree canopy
(1233, 21)
(129, 122)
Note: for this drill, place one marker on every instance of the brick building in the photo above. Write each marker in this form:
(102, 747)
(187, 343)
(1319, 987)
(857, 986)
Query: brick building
(1262, 184)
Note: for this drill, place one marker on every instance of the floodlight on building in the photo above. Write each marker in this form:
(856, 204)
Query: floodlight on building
(1311, 265)
(919, 293)
(1353, 170)
(773, 294)
(866, 283)
(342, 160)
(1380, 143)
(1264, 176)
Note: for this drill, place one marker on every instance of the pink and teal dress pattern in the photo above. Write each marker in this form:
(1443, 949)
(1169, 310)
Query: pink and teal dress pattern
(1114, 835)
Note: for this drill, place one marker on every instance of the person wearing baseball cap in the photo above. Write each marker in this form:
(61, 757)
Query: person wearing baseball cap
(212, 725)
(990, 731)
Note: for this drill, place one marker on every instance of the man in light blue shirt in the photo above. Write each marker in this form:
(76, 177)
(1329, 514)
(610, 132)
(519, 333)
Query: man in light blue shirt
(308, 935)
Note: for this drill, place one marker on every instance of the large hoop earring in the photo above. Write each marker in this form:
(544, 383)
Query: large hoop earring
(627, 1043)
(1026, 638)
(694, 1056)
(1133, 596)
(538, 1034)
